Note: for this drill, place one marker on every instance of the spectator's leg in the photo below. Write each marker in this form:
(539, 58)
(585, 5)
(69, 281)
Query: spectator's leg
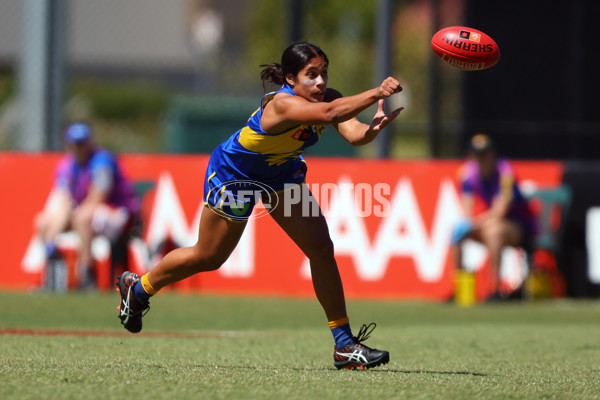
(457, 255)
(48, 224)
(82, 224)
(54, 219)
(463, 231)
(495, 235)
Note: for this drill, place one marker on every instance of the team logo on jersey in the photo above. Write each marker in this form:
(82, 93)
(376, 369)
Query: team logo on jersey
(301, 134)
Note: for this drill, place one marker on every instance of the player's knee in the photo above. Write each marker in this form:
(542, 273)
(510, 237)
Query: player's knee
(81, 221)
(495, 233)
(490, 227)
(40, 223)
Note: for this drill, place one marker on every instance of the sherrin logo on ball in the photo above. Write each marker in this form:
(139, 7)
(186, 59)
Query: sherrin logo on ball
(465, 48)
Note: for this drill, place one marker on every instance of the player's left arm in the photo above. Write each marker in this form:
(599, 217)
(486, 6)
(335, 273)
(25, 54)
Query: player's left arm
(358, 133)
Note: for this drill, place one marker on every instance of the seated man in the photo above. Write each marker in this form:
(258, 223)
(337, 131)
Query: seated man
(90, 196)
(503, 217)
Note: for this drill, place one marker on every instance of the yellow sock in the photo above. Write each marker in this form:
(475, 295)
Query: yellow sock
(339, 322)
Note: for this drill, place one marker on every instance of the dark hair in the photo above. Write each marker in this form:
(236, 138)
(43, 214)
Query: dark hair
(293, 59)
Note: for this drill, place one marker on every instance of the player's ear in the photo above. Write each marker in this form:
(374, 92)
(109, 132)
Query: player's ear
(290, 79)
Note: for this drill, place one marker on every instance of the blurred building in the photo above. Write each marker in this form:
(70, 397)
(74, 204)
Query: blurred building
(132, 37)
(151, 49)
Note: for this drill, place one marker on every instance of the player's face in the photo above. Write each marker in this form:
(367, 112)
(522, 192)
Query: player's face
(311, 81)
(487, 163)
(81, 150)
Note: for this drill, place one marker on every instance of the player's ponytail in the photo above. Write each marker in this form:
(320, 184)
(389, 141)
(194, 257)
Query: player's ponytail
(272, 72)
(293, 59)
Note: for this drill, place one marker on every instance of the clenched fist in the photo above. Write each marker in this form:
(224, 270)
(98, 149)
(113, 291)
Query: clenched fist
(388, 87)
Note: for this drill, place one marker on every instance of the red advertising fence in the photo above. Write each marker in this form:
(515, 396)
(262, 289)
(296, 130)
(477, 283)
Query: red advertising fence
(390, 222)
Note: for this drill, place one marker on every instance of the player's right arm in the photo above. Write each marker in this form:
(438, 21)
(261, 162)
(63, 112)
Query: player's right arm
(286, 111)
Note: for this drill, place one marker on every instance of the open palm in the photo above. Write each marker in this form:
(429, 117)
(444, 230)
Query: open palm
(381, 119)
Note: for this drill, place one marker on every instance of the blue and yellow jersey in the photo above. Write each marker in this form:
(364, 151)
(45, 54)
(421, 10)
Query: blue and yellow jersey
(271, 158)
(251, 154)
(278, 147)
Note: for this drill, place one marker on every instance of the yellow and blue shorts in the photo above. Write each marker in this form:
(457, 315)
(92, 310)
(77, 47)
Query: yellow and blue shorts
(233, 194)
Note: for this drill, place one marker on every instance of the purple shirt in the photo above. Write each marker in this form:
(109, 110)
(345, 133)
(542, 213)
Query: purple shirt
(486, 190)
(101, 170)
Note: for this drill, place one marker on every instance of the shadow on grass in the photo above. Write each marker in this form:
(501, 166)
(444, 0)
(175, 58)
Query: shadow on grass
(324, 369)
(418, 371)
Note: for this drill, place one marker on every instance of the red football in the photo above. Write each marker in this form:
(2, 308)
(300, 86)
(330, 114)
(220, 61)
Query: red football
(465, 48)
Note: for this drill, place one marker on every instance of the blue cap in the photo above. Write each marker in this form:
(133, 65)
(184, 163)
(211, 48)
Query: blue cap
(77, 132)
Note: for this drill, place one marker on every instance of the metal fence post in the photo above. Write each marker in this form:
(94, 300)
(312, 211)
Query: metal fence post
(383, 65)
(41, 75)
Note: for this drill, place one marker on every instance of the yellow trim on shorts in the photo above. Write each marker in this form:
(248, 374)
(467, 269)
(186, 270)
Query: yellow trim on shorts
(222, 199)
(208, 183)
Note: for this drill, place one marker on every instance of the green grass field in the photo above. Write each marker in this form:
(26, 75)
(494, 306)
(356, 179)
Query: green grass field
(204, 347)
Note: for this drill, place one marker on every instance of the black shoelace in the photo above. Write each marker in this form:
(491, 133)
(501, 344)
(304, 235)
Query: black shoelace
(364, 333)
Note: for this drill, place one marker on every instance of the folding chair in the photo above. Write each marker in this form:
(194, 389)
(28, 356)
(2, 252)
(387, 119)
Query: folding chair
(554, 205)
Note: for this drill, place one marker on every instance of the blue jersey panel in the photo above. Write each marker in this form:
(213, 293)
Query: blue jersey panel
(251, 154)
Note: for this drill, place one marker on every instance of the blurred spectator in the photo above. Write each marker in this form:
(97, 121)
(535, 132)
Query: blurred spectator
(495, 212)
(91, 196)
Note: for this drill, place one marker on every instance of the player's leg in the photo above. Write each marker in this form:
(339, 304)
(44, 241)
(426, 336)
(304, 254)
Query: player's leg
(217, 238)
(311, 234)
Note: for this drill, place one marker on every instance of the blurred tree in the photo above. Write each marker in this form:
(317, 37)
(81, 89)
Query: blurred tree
(345, 30)
(342, 28)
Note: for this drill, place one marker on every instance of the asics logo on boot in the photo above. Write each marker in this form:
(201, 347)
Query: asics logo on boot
(125, 311)
(356, 356)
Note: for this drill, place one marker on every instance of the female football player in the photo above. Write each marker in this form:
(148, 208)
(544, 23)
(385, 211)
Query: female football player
(268, 150)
